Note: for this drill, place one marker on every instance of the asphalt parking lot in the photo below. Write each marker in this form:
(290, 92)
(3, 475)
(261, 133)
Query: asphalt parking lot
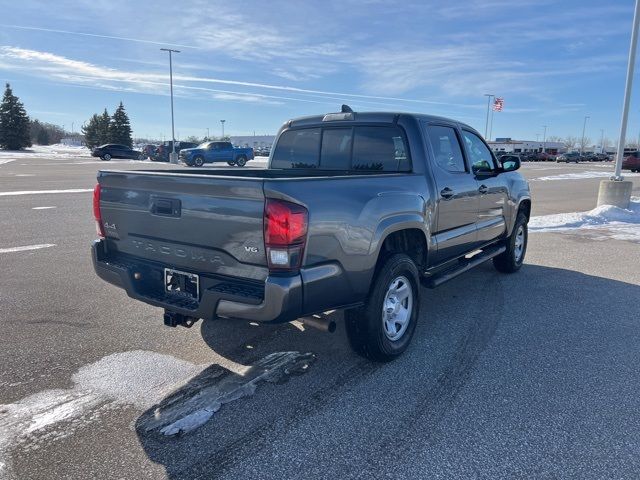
(531, 375)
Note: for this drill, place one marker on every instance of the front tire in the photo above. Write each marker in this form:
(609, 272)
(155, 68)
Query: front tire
(242, 161)
(198, 161)
(382, 329)
(511, 260)
(106, 157)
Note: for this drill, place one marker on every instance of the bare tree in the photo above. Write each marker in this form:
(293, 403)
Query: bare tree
(583, 143)
(570, 142)
(554, 138)
(606, 143)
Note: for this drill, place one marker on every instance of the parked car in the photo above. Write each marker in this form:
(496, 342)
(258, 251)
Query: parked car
(568, 157)
(216, 152)
(162, 152)
(149, 150)
(113, 150)
(355, 211)
(632, 162)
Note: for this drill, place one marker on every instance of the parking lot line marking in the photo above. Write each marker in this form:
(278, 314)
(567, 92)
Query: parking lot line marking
(43, 208)
(26, 248)
(38, 192)
(6, 160)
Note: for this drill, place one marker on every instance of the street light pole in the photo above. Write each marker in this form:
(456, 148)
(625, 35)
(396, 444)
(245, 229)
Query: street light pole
(616, 191)
(544, 139)
(602, 140)
(584, 125)
(207, 133)
(222, 122)
(486, 123)
(172, 156)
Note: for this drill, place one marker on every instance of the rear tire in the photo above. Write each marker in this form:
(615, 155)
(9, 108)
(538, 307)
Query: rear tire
(198, 161)
(511, 260)
(106, 157)
(382, 329)
(231, 163)
(242, 161)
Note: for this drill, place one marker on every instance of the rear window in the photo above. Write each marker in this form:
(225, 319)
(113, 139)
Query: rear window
(374, 148)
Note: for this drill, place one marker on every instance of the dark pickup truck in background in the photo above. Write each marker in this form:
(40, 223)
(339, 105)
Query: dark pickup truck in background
(355, 212)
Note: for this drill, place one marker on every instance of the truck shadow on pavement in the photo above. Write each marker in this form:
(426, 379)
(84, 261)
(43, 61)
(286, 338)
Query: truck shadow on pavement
(541, 330)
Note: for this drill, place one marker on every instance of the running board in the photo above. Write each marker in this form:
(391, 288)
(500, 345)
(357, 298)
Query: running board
(464, 264)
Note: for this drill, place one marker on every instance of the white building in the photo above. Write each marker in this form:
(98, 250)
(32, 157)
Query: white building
(253, 141)
(522, 146)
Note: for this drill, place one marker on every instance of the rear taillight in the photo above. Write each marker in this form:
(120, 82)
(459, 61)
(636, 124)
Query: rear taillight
(285, 234)
(96, 211)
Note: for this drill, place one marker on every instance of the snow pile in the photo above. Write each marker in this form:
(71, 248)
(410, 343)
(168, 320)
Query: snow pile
(582, 175)
(603, 222)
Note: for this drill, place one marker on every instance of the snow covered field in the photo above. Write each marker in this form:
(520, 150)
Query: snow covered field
(601, 223)
(48, 151)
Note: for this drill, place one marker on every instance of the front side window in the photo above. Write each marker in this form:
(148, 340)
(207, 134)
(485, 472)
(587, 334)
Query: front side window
(479, 154)
(446, 148)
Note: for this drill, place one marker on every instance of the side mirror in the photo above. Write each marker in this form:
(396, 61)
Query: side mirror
(510, 164)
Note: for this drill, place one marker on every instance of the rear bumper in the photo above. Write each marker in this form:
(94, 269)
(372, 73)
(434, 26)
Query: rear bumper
(278, 299)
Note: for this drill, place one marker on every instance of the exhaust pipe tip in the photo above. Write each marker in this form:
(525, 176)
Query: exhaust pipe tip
(319, 323)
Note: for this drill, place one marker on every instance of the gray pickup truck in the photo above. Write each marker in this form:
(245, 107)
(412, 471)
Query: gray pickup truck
(355, 212)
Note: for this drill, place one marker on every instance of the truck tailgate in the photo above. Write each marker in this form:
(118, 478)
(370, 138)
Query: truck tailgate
(208, 224)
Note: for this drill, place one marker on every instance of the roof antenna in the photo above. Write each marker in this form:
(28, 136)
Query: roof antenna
(346, 109)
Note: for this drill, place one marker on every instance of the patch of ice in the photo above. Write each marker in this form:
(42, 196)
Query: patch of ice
(605, 221)
(581, 176)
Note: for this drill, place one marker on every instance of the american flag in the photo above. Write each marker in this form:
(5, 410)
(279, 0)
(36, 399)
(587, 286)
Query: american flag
(498, 104)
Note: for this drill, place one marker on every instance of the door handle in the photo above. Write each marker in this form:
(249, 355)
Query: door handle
(446, 193)
(483, 189)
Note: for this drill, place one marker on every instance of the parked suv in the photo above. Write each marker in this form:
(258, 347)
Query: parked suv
(568, 157)
(162, 152)
(114, 150)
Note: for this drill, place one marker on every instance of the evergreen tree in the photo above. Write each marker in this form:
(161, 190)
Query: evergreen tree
(14, 122)
(120, 128)
(91, 132)
(104, 136)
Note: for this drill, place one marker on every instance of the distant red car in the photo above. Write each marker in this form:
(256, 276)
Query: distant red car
(632, 162)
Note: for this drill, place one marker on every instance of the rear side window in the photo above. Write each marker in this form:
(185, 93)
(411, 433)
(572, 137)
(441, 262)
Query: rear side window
(336, 149)
(374, 148)
(446, 148)
(297, 149)
(379, 148)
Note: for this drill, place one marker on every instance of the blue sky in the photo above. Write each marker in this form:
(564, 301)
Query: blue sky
(257, 64)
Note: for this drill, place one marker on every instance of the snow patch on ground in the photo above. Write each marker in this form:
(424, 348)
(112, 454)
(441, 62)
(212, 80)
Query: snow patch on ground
(601, 223)
(582, 175)
(139, 378)
(186, 395)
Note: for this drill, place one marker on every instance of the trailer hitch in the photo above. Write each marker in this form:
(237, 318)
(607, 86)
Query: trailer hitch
(173, 319)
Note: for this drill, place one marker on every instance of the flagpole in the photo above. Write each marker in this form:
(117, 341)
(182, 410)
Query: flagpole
(491, 124)
(617, 191)
(486, 123)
